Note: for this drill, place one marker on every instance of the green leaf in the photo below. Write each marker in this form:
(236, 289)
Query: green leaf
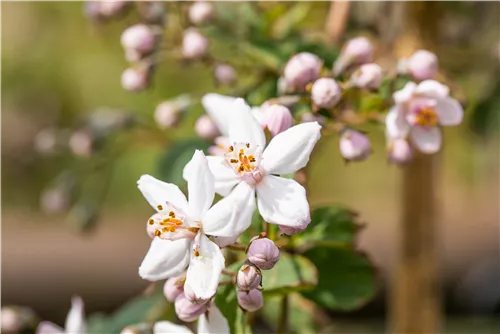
(290, 20)
(173, 160)
(347, 279)
(261, 54)
(372, 102)
(291, 273)
(227, 303)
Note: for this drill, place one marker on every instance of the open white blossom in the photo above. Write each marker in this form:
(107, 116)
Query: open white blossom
(211, 322)
(75, 321)
(179, 229)
(247, 170)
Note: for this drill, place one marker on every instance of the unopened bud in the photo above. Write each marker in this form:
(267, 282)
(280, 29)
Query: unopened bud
(140, 38)
(173, 288)
(152, 12)
(354, 145)
(205, 127)
(81, 143)
(249, 277)
(15, 318)
(276, 118)
(201, 12)
(55, 200)
(111, 8)
(302, 69)
(167, 114)
(225, 74)
(399, 151)
(135, 79)
(194, 44)
(46, 141)
(356, 51)
(191, 296)
(263, 253)
(283, 87)
(310, 117)
(367, 76)
(422, 65)
(325, 93)
(186, 310)
(251, 300)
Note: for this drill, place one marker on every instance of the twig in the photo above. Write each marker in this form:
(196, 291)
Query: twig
(336, 20)
(283, 319)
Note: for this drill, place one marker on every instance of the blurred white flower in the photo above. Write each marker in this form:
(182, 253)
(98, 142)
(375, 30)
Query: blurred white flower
(194, 44)
(75, 321)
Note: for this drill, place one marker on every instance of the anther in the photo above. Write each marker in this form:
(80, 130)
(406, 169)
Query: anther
(231, 148)
(233, 161)
(171, 214)
(193, 229)
(151, 221)
(196, 253)
(157, 233)
(160, 207)
(247, 145)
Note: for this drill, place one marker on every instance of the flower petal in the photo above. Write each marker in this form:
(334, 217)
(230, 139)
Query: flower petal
(289, 151)
(204, 270)
(201, 186)
(158, 192)
(212, 322)
(243, 127)
(396, 125)
(450, 111)
(433, 89)
(405, 94)
(165, 259)
(47, 327)
(231, 215)
(225, 241)
(167, 327)
(225, 178)
(75, 321)
(283, 201)
(427, 140)
(219, 107)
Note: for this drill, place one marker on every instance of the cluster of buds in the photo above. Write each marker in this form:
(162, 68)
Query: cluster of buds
(187, 307)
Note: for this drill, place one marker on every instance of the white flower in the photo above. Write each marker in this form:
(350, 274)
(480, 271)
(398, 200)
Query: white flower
(180, 226)
(419, 110)
(212, 322)
(75, 321)
(247, 169)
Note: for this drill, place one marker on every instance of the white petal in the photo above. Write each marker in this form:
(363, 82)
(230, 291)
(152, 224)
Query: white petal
(283, 201)
(225, 178)
(47, 327)
(158, 192)
(167, 327)
(212, 322)
(258, 114)
(432, 88)
(75, 321)
(243, 127)
(427, 140)
(450, 111)
(405, 94)
(165, 259)
(396, 124)
(231, 215)
(289, 151)
(225, 241)
(201, 186)
(204, 271)
(219, 107)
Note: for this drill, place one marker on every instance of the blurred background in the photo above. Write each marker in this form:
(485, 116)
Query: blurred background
(58, 67)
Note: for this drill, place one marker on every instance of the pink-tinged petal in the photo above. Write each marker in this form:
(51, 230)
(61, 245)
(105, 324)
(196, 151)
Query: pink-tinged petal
(219, 107)
(225, 178)
(289, 151)
(432, 89)
(158, 192)
(225, 241)
(243, 127)
(450, 111)
(205, 268)
(427, 140)
(231, 215)
(404, 95)
(212, 322)
(395, 123)
(47, 327)
(201, 186)
(165, 259)
(283, 201)
(167, 327)
(75, 321)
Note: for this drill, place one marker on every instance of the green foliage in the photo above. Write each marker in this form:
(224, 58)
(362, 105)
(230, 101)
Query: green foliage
(227, 303)
(301, 313)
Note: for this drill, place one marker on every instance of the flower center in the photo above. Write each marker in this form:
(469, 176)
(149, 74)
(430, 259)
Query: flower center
(170, 224)
(426, 116)
(243, 158)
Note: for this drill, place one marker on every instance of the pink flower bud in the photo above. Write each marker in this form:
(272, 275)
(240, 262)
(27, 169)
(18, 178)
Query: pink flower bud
(111, 8)
(186, 310)
(205, 127)
(81, 143)
(54, 200)
(325, 93)
(263, 253)
(422, 65)
(276, 118)
(11, 320)
(190, 295)
(46, 141)
(310, 117)
(135, 79)
(283, 87)
(194, 44)
(399, 151)
(354, 146)
(356, 51)
(140, 38)
(167, 115)
(367, 76)
(225, 74)
(173, 288)
(201, 12)
(251, 300)
(248, 278)
(302, 69)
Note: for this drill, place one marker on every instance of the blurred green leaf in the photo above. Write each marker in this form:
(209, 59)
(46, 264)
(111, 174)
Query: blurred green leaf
(227, 303)
(301, 313)
(262, 54)
(371, 102)
(291, 273)
(290, 20)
